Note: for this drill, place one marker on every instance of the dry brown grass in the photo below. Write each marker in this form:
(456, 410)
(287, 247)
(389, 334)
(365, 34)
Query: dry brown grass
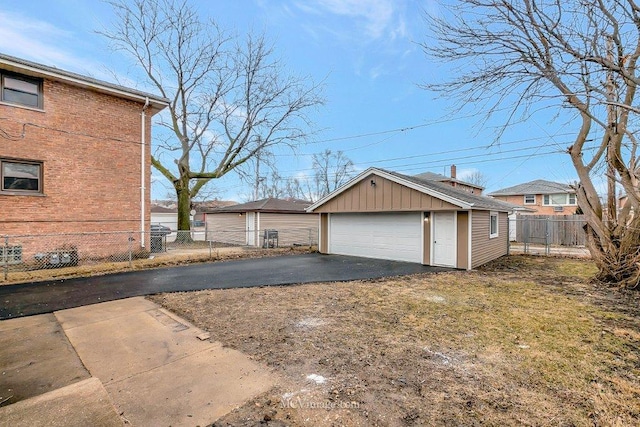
(525, 341)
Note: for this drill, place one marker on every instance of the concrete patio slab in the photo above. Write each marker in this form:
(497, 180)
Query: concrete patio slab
(85, 403)
(195, 390)
(121, 346)
(36, 358)
(156, 369)
(94, 313)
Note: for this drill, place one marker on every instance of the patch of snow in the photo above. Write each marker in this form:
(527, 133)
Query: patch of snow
(443, 358)
(435, 298)
(292, 394)
(288, 396)
(318, 379)
(309, 322)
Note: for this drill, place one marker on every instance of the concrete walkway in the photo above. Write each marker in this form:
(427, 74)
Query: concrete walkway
(126, 360)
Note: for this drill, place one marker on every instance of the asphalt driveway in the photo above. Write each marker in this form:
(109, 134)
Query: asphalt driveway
(45, 297)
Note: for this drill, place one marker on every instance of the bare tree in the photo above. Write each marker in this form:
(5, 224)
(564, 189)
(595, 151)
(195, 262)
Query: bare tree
(477, 178)
(229, 99)
(274, 186)
(330, 171)
(579, 57)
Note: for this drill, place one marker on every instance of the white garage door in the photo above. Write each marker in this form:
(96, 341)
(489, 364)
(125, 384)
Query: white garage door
(394, 236)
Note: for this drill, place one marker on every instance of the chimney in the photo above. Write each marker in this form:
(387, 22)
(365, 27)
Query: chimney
(453, 171)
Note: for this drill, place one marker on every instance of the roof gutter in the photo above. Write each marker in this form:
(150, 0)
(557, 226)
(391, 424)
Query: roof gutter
(143, 178)
(38, 70)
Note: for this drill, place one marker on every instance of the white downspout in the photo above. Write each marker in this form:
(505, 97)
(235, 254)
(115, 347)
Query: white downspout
(143, 173)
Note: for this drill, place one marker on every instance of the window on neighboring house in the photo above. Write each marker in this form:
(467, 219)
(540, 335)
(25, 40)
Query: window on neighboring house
(493, 225)
(21, 90)
(529, 199)
(21, 177)
(559, 199)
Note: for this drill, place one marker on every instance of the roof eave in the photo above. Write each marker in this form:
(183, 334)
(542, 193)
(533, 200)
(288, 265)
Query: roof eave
(38, 70)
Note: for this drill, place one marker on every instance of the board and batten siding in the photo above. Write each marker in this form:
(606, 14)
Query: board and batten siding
(462, 257)
(227, 228)
(293, 228)
(384, 196)
(485, 249)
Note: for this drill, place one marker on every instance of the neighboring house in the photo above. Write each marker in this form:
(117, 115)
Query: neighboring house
(622, 200)
(452, 181)
(166, 213)
(203, 206)
(247, 223)
(387, 215)
(74, 153)
(540, 197)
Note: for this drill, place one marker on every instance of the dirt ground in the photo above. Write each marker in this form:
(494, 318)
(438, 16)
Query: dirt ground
(523, 341)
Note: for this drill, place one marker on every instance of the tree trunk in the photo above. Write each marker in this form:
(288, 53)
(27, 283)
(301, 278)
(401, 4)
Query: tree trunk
(619, 261)
(184, 207)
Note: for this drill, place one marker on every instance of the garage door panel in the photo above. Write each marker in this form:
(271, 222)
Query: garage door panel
(394, 236)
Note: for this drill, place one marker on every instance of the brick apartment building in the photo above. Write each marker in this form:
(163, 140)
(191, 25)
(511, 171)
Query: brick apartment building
(74, 152)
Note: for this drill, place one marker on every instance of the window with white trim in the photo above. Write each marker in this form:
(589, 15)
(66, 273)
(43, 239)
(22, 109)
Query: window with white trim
(20, 177)
(20, 90)
(493, 225)
(529, 199)
(561, 199)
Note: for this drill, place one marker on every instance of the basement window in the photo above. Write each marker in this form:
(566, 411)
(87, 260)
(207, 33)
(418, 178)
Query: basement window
(20, 177)
(493, 225)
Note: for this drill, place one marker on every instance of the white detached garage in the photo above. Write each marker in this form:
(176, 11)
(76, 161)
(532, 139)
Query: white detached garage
(387, 215)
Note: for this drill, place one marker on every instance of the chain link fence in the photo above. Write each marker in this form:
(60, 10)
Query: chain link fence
(548, 235)
(30, 252)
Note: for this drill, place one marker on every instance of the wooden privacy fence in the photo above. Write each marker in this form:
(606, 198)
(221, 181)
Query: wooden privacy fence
(563, 230)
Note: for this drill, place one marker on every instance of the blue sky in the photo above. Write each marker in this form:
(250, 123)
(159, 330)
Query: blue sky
(367, 54)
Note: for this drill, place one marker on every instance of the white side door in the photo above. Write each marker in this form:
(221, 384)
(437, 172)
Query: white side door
(251, 229)
(444, 239)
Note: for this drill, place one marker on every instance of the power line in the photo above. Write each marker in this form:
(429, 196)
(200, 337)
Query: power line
(445, 162)
(452, 159)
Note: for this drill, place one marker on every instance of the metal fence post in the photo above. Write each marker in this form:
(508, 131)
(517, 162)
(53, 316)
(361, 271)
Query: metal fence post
(210, 247)
(547, 242)
(130, 248)
(5, 258)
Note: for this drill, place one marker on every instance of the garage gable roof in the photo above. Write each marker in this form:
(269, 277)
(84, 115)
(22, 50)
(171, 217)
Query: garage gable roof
(270, 204)
(462, 199)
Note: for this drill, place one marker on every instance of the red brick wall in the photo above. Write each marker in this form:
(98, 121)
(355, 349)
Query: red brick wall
(89, 144)
(538, 207)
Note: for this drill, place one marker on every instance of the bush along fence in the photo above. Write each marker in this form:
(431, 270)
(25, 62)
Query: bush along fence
(548, 234)
(31, 252)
